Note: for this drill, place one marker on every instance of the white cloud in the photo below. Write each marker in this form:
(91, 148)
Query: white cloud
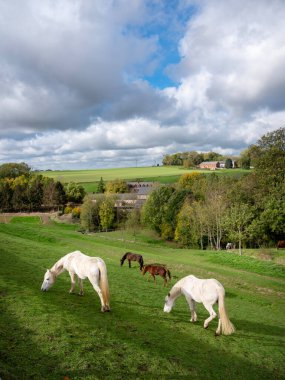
(73, 91)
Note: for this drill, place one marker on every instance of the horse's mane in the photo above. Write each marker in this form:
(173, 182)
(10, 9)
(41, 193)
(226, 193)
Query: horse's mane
(175, 292)
(125, 255)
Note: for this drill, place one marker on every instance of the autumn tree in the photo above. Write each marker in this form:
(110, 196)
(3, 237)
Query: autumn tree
(107, 212)
(117, 186)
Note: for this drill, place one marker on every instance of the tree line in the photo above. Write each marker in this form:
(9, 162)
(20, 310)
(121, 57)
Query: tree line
(193, 159)
(23, 190)
(211, 210)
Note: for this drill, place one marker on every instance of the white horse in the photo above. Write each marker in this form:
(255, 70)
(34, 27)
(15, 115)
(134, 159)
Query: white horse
(208, 292)
(76, 263)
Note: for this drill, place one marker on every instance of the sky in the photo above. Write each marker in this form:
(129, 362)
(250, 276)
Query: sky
(88, 84)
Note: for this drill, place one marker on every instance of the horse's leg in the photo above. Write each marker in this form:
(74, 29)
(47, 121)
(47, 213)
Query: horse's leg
(165, 281)
(154, 278)
(96, 287)
(72, 278)
(130, 264)
(219, 331)
(212, 312)
(80, 286)
(192, 306)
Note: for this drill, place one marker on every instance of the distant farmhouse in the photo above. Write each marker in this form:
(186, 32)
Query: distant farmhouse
(212, 165)
(139, 192)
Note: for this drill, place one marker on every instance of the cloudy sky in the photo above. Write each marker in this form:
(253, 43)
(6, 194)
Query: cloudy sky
(117, 83)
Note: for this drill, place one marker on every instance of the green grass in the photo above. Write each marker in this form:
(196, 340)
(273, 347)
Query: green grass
(54, 334)
(26, 219)
(162, 174)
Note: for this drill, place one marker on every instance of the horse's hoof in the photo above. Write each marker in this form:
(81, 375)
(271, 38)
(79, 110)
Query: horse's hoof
(217, 334)
(205, 327)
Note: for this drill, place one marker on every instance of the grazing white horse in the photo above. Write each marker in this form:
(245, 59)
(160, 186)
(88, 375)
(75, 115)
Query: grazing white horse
(208, 292)
(76, 263)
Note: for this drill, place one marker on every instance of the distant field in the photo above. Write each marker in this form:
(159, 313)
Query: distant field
(162, 174)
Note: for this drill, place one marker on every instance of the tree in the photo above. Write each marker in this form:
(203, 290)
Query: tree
(13, 170)
(117, 186)
(19, 187)
(107, 212)
(237, 222)
(74, 192)
(35, 192)
(132, 223)
(269, 157)
(184, 232)
(245, 159)
(154, 209)
(228, 163)
(101, 186)
(88, 214)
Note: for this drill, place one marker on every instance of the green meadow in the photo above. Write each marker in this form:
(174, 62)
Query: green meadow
(54, 335)
(162, 174)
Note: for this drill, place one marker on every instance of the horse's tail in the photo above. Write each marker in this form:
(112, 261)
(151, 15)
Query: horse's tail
(227, 328)
(141, 263)
(104, 285)
(169, 275)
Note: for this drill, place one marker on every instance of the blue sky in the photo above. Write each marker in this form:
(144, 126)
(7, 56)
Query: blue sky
(106, 83)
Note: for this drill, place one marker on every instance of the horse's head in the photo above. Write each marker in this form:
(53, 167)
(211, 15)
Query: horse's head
(169, 302)
(49, 280)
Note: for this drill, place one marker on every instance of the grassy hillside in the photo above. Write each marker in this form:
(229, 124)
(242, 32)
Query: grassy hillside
(55, 334)
(162, 174)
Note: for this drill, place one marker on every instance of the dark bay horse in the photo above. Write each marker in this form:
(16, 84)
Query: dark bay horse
(157, 270)
(281, 244)
(132, 257)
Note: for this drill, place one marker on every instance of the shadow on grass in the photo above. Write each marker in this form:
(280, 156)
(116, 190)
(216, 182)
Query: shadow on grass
(122, 344)
(21, 357)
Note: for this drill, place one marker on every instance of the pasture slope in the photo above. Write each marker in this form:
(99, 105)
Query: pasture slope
(54, 334)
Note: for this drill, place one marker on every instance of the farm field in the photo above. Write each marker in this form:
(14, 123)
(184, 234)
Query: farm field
(162, 174)
(54, 334)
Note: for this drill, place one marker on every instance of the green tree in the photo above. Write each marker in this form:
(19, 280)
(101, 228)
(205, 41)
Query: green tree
(132, 223)
(13, 170)
(245, 160)
(35, 192)
(101, 186)
(19, 187)
(74, 192)
(89, 211)
(154, 209)
(107, 212)
(117, 186)
(184, 232)
(237, 221)
(6, 194)
(228, 163)
(269, 157)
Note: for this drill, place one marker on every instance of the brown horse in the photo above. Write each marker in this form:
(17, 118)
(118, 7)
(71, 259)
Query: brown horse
(281, 244)
(132, 257)
(157, 270)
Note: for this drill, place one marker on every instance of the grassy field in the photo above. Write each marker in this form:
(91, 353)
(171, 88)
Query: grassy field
(162, 174)
(54, 334)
